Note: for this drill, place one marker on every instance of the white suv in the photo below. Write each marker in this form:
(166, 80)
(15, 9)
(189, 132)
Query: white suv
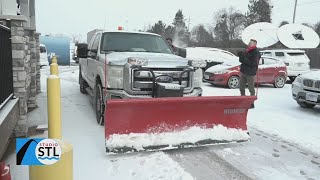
(296, 60)
(306, 89)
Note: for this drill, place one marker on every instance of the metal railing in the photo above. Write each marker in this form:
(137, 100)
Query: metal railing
(6, 76)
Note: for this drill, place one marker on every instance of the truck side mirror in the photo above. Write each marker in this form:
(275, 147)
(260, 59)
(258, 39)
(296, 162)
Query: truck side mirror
(182, 52)
(82, 51)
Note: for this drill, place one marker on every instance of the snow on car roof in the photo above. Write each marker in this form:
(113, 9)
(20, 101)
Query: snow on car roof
(210, 54)
(285, 50)
(134, 32)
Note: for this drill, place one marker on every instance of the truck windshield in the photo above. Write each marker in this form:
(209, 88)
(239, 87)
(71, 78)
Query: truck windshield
(133, 42)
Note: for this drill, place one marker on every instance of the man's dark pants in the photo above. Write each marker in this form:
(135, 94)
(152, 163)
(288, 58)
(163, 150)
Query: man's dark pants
(244, 80)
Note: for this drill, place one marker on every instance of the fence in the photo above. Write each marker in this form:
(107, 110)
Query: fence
(313, 54)
(6, 77)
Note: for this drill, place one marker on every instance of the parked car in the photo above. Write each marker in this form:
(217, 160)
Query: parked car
(270, 71)
(43, 56)
(306, 89)
(212, 56)
(296, 60)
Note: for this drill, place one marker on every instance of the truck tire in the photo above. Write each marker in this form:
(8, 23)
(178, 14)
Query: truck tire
(99, 104)
(83, 84)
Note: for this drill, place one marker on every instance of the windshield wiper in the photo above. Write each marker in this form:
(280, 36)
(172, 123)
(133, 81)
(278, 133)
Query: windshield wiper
(108, 51)
(148, 51)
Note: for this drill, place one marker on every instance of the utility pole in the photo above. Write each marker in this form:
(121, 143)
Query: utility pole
(294, 13)
(189, 23)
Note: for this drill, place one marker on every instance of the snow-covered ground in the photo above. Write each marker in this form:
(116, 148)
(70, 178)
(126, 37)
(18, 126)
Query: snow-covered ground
(277, 113)
(277, 124)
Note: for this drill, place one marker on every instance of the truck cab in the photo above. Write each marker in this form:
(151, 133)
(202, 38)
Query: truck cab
(122, 65)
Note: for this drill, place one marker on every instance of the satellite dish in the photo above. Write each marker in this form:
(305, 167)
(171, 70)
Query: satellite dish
(265, 33)
(298, 36)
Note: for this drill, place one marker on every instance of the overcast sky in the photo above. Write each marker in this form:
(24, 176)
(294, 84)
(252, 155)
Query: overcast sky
(80, 16)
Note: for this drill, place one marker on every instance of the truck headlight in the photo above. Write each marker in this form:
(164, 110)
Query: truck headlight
(197, 63)
(197, 78)
(115, 77)
(137, 61)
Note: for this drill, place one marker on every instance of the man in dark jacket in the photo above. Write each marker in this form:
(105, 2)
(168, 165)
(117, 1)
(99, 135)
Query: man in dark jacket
(174, 48)
(249, 66)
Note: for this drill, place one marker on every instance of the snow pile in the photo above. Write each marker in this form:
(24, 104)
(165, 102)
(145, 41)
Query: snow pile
(154, 166)
(230, 151)
(190, 135)
(211, 54)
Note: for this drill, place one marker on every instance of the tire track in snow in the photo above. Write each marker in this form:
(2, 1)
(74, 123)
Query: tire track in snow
(262, 158)
(205, 165)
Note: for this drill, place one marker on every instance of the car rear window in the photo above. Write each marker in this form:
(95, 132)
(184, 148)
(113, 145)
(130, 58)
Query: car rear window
(266, 53)
(296, 54)
(268, 61)
(279, 54)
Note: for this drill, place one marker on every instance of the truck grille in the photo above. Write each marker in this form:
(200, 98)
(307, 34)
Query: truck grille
(308, 83)
(142, 80)
(317, 84)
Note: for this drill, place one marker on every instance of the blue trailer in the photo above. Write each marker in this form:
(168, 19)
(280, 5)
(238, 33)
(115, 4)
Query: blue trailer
(60, 46)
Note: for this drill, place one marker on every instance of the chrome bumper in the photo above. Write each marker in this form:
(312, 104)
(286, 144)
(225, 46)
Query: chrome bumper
(121, 94)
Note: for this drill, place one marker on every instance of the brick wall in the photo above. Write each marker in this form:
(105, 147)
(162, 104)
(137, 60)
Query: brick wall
(26, 71)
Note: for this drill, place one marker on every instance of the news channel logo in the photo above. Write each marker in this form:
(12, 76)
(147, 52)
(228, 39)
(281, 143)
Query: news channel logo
(37, 151)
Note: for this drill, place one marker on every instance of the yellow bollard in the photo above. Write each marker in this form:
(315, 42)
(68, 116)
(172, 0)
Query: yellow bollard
(62, 170)
(54, 107)
(54, 66)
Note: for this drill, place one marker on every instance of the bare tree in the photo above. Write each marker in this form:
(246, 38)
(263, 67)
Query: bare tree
(76, 38)
(228, 25)
(308, 25)
(283, 23)
(317, 28)
(259, 11)
(200, 36)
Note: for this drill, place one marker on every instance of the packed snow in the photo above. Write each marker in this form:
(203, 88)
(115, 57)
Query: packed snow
(276, 112)
(155, 166)
(190, 135)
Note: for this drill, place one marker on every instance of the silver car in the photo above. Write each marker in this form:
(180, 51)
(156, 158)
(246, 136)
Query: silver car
(306, 89)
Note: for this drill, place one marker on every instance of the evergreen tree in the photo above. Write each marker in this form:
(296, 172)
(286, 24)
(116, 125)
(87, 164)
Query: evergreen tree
(258, 11)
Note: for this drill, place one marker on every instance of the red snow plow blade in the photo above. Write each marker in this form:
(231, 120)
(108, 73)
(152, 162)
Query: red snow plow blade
(169, 123)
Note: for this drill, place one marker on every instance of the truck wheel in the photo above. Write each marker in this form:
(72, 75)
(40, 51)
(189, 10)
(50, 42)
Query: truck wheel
(306, 105)
(83, 84)
(99, 104)
(279, 82)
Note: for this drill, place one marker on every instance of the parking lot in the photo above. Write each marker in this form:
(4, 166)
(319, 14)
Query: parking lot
(283, 134)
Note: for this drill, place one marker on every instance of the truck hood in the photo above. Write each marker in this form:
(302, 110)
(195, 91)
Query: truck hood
(154, 59)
